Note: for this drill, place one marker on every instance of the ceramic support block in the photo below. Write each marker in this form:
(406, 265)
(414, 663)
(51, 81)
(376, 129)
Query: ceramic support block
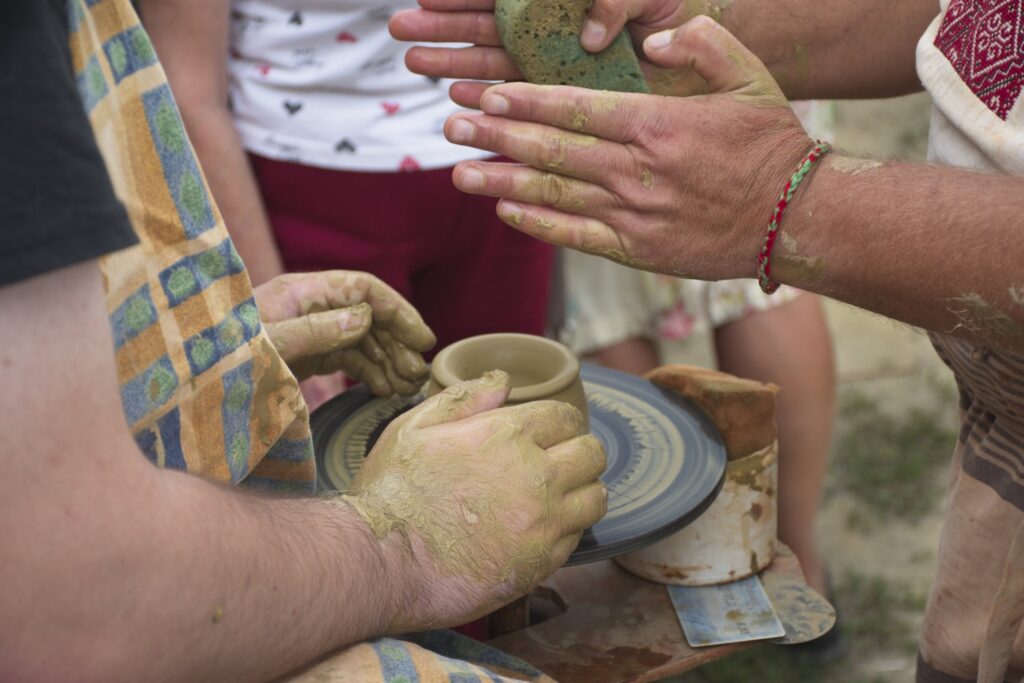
(742, 409)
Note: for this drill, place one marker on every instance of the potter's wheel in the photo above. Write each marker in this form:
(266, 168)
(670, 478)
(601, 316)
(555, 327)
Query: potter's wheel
(666, 461)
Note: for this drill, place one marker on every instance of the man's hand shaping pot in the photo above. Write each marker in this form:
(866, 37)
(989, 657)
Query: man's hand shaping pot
(476, 503)
(323, 323)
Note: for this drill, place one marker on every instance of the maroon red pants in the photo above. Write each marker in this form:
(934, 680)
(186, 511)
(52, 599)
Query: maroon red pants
(464, 270)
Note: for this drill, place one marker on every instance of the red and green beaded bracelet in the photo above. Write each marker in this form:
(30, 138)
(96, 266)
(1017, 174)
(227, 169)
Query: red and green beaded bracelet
(764, 263)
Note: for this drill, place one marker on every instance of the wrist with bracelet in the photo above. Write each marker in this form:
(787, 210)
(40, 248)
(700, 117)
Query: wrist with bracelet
(764, 257)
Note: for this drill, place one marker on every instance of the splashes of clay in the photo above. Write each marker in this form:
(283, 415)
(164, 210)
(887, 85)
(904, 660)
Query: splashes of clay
(558, 146)
(556, 190)
(807, 269)
(710, 8)
(853, 166)
(789, 243)
(719, 8)
(981, 318)
(1017, 295)
(803, 62)
(605, 101)
(544, 223)
(758, 92)
(597, 238)
(647, 178)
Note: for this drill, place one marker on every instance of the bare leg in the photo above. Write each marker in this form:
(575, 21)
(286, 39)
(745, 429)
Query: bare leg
(791, 346)
(637, 355)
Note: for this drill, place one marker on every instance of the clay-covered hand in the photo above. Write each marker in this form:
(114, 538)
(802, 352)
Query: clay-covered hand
(472, 21)
(679, 185)
(477, 503)
(323, 323)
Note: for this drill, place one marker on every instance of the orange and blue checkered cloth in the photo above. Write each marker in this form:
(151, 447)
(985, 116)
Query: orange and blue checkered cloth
(202, 387)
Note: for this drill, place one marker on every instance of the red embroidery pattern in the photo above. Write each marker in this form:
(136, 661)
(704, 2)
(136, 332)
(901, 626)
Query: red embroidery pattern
(984, 41)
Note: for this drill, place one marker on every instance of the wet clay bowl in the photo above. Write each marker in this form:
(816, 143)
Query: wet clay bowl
(539, 368)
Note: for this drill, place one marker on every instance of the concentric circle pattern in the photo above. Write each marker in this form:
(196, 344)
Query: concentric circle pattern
(666, 460)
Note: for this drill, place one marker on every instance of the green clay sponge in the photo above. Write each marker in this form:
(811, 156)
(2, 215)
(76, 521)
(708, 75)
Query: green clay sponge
(543, 39)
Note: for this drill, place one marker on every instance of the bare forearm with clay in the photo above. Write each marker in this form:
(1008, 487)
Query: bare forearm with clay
(686, 186)
(814, 48)
(940, 248)
(116, 570)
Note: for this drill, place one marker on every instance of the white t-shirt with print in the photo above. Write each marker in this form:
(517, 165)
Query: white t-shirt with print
(322, 83)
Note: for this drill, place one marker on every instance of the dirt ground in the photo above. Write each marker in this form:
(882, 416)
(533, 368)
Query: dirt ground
(880, 522)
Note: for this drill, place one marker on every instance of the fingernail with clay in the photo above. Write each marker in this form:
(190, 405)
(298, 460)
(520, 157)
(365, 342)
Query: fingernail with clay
(471, 179)
(659, 41)
(510, 213)
(593, 35)
(461, 131)
(494, 377)
(494, 104)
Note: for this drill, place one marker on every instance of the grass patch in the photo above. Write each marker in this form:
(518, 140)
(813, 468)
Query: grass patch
(890, 462)
(875, 612)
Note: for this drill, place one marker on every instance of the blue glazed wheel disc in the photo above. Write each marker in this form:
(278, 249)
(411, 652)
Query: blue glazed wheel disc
(666, 461)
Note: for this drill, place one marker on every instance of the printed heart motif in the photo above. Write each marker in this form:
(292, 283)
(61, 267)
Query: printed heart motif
(408, 164)
(389, 107)
(345, 145)
(292, 106)
(264, 69)
(346, 37)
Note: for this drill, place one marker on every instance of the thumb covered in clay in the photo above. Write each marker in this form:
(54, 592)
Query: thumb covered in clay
(717, 56)
(463, 400)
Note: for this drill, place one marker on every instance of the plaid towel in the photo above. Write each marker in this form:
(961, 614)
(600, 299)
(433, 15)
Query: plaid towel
(203, 388)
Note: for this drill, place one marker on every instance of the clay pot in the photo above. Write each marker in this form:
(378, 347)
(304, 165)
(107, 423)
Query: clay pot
(539, 368)
(733, 539)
